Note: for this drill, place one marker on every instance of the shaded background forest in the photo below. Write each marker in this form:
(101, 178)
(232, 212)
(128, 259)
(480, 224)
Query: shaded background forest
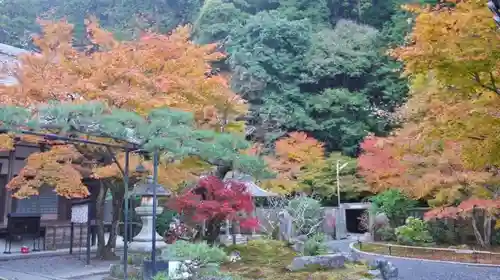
(314, 66)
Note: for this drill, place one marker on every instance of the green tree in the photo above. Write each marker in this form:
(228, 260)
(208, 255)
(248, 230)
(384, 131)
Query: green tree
(18, 20)
(394, 204)
(316, 11)
(215, 21)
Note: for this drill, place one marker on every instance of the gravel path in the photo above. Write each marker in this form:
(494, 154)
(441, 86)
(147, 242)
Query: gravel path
(424, 270)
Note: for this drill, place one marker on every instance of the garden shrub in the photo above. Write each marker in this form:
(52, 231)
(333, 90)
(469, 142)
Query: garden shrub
(394, 204)
(202, 252)
(163, 221)
(442, 233)
(315, 245)
(386, 234)
(414, 233)
(307, 214)
(495, 240)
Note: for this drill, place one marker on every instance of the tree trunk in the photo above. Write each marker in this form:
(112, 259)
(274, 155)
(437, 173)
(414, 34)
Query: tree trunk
(487, 229)
(101, 241)
(221, 171)
(477, 232)
(213, 230)
(118, 197)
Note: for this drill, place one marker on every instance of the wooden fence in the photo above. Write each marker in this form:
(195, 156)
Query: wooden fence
(434, 253)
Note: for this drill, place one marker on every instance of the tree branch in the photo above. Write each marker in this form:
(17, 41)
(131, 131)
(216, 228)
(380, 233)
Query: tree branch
(115, 160)
(493, 82)
(492, 88)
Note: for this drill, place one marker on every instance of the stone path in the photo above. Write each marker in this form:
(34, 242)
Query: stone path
(424, 270)
(50, 268)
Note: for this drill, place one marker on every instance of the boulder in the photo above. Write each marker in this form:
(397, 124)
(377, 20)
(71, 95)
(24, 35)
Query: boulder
(381, 220)
(387, 269)
(333, 261)
(375, 273)
(298, 243)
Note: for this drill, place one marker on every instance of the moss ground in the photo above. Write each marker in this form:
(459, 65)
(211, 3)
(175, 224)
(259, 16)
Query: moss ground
(268, 259)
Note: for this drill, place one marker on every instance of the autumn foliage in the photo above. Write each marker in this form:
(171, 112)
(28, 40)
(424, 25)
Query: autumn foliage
(291, 155)
(379, 164)
(447, 150)
(436, 174)
(454, 59)
(152, 72)
(214, 201)
(60, 167)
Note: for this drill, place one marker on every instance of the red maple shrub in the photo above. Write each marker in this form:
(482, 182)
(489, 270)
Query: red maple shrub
(215, 201)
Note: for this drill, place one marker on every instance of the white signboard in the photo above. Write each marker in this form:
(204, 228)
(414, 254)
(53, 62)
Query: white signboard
(80, 214)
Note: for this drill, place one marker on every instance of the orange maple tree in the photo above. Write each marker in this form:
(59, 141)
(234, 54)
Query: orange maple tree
(437, 174)
(153, 72)
(61, 168)
(291, 155)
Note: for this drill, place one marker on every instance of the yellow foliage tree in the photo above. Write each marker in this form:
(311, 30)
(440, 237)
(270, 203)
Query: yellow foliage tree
(449, 145)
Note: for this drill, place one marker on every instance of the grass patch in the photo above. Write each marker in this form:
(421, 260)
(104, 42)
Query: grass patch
(429, 254)
(268, 259)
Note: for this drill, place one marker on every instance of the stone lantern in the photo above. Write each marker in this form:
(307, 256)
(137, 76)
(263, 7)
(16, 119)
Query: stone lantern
(143, 242)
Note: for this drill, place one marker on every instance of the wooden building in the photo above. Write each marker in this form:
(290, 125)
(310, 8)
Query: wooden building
(51, 206)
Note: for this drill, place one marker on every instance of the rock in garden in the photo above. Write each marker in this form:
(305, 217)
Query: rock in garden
(323, 261)
(381, 220)
(298, 243)
(386, 268)
(235, 256)
(374, 273)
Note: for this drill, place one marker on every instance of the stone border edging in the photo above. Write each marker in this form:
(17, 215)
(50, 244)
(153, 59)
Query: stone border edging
(351, 246)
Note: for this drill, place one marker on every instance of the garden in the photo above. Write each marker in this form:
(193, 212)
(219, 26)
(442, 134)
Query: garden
(289, 248)
(284, 94)
(401, 229)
